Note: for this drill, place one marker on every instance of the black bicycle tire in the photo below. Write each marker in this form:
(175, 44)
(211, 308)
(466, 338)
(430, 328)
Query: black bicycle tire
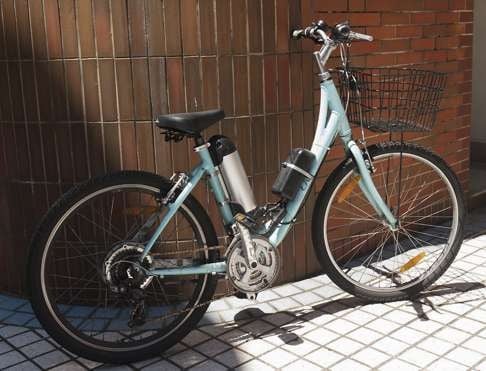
(322, 203)
(39, 244)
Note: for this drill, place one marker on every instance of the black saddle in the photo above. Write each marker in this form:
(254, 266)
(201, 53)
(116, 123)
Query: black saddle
(191, 123)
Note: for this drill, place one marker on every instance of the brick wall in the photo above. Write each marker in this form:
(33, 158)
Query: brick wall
(81, 81)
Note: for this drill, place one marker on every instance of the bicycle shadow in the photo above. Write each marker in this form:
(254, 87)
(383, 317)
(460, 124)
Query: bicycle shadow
(434, 299)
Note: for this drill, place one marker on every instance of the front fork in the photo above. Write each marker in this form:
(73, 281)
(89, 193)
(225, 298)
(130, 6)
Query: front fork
(368, 187)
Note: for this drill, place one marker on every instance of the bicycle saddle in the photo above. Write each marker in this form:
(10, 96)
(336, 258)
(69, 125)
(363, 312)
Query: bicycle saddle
(190, 123)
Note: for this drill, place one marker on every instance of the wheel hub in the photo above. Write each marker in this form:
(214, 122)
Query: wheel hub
(122, 270)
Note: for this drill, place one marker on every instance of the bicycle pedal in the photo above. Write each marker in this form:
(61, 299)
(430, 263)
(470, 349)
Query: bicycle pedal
(243, 295)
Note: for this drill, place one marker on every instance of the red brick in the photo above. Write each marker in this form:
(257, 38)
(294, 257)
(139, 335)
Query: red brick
(386, 32)
(466, 16)
(409, 31)
(380, 60)
(395, 45)
(422, 44)
(447, 42)
(436, 4)
(395, 18)
(423, 18)
(449, 17)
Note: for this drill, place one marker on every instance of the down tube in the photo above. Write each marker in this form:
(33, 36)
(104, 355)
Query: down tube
(329, 133)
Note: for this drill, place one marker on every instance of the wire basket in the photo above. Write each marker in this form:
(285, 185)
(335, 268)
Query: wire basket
(391, 99)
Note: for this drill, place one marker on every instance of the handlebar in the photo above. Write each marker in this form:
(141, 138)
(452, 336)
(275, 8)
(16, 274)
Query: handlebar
(322, 33)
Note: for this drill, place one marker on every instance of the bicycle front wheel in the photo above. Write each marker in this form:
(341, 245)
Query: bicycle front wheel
(366, 258)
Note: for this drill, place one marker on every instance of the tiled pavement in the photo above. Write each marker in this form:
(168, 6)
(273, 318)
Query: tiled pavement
(306, 325)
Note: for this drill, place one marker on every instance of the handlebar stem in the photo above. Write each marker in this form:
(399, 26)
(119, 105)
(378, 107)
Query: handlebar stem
(323, 54)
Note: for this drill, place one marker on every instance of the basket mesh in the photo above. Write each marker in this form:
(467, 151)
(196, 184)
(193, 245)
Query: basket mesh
(392, 99)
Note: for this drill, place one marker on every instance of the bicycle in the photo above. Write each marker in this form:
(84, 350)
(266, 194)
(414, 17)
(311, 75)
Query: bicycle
(123, 266)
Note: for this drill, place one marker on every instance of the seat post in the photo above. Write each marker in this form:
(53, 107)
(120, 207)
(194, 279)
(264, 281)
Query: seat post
(199, 141)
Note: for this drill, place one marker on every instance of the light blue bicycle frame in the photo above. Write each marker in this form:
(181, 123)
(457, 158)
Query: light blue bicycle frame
(332, 121)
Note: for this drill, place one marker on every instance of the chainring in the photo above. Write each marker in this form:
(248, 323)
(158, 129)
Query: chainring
(253, 280)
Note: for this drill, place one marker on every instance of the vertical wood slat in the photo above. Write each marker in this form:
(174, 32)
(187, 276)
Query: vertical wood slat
(84, 78)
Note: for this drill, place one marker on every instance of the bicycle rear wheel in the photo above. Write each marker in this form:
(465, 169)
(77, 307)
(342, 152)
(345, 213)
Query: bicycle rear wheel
(364, 256)
(87, 286)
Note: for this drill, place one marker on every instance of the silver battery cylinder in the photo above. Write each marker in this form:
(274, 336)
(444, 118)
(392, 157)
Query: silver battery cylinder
(236, 181)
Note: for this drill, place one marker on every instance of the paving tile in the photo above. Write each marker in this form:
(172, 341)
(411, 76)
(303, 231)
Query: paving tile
(161, 365)
(5, 313)
(408, 335)
(208, 365)
(187, 358)
(51, 359)
(341, 326)
(468, 325)
(195, 337)
(321, 336)
(371, 357)
(345, 346)
(69, 366)
(286, 290)
(425, 326)
(324, 357)
(399, 365)
(4, 347)
(418, 357)
(10, 302)
(477, 315)
(475, 343)
(284, 304)
(255, 365)
(18, 319)
(256, 347)
(349, 364)
(212, 347)
(465, 356)
(399, 316)
(23, 339)
(233, 358)
(26, 366)
(452, 335)
(359, 317)
(307, 284)
(278, 358)
(278, 319)
(443, 364)
(256, 328)
(383, 326)
(267, 295)
(364, 335)
(40, 347)
(234, 337)
(11, 358)
(390, 346)
(435, 345)
(301, 365)
(327, 291)
(300, 347)
(307, 298)
(218, 305)
(9, 331)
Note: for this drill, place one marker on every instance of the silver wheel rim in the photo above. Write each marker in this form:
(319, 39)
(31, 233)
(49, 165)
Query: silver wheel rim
(48, 245)
(438, 260)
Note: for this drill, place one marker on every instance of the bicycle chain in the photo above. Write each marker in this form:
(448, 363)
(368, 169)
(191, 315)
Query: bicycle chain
(229, 290)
